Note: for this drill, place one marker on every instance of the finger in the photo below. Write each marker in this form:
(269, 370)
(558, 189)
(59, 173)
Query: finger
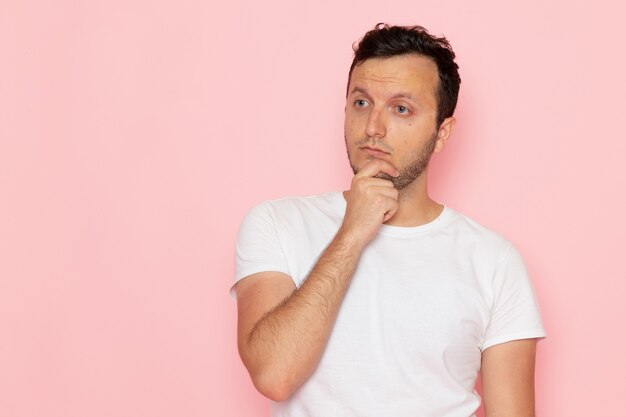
(375, 182)
(386, 191)
(375, 166)
(389, 214)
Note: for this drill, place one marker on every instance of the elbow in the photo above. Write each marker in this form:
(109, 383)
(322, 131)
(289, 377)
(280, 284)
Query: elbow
(273, 380)
(274, 387)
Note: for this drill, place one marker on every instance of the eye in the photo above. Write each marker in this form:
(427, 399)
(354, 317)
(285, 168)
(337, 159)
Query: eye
(360, 103)
(402, 109)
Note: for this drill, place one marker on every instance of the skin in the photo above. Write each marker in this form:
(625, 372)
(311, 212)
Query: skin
(391, 106)
(390, 134)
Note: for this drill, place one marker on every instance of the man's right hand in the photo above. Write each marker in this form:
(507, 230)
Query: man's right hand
(370, 202)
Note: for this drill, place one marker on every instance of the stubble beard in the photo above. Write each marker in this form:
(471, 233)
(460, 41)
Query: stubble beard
(409, 173)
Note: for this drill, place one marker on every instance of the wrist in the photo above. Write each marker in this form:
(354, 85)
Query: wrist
(350, 239)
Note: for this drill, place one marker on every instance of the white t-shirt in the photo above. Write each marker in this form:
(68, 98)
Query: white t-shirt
(423, 303)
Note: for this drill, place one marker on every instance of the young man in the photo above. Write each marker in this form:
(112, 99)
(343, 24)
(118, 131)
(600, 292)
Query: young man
(379, 301)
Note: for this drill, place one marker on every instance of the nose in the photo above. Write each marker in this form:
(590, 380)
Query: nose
(376, 127)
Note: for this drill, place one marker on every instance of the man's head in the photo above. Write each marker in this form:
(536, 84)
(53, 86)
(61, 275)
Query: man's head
(402, 90)
(386, 41)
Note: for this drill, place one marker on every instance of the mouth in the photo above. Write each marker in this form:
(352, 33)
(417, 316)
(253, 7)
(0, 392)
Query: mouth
(374, 151)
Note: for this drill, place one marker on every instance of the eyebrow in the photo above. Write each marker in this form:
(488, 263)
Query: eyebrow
(400, 94)
(356, 89)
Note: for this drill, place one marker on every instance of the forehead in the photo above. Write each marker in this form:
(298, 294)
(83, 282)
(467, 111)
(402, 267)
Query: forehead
(415, 73)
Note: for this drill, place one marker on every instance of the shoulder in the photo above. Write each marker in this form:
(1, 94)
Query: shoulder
(481, 239)
(291, 207)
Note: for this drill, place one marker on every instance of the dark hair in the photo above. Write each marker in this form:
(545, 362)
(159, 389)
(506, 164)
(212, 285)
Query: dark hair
(386, 41)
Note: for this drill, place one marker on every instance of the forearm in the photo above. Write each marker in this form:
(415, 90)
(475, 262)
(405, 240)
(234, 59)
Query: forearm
(286, 344)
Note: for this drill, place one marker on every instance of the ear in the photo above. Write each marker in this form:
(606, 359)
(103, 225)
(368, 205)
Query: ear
(444, 132)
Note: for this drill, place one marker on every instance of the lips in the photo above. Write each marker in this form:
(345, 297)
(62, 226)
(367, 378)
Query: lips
(374, 151)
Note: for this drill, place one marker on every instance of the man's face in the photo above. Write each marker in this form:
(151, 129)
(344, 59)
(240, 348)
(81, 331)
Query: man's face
(391, 113)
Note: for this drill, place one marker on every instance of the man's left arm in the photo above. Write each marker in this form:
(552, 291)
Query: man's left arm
(508, 379)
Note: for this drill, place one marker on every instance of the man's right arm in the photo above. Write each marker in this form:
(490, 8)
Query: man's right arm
(282, 331)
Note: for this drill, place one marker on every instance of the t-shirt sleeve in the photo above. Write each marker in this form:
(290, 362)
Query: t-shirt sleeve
(515, 311)
(258, 247)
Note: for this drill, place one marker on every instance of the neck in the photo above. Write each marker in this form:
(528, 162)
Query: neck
(415, 205)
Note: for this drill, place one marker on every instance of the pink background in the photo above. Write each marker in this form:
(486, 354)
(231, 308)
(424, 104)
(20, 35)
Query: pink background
(134, 135)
